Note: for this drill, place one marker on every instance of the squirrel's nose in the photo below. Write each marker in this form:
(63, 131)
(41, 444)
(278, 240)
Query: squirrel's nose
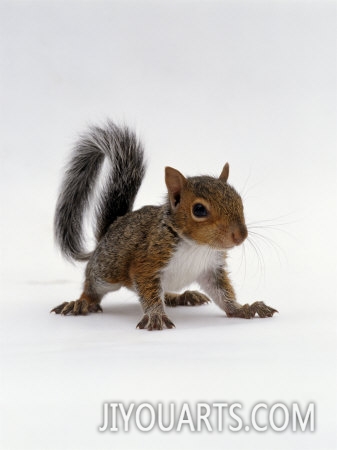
(239, 234)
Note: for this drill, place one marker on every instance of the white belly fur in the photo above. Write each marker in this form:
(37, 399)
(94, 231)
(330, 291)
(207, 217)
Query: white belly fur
(189, 261)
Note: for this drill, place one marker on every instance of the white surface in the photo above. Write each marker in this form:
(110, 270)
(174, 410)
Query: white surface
(253, 83)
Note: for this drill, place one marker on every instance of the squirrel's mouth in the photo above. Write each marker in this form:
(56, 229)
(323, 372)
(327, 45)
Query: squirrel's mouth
(229, 241)
(223, 244)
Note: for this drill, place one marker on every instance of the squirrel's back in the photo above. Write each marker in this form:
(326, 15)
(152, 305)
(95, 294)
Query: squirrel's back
(125, 155)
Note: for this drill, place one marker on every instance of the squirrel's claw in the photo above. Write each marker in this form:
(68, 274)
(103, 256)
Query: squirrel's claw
(59, 308)
(76, 308)
(155, 322)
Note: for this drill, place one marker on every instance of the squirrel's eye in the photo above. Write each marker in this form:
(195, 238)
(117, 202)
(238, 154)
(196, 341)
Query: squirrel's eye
(199, 210)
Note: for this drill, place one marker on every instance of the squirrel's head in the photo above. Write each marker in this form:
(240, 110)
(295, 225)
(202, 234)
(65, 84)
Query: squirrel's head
(206, 209)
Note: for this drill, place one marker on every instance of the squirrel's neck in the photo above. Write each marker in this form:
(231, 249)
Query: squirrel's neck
(168, 220)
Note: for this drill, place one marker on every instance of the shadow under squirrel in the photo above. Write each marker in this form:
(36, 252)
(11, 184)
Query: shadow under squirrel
(155, 251)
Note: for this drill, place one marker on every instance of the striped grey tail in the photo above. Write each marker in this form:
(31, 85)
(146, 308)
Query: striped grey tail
(125, 156)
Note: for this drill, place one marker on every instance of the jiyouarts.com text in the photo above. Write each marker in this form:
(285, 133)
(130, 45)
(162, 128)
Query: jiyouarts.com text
(213, 416)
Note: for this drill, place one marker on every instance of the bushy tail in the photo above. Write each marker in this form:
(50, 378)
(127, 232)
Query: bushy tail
(126, 160)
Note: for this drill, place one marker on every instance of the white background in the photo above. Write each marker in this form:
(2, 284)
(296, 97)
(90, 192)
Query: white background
(252, 83)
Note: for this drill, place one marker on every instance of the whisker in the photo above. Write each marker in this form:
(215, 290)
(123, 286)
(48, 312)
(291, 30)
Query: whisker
(275, 220)
(259, 256)
(243, 258)
(243, 192)
(272, 244)
(270, 228)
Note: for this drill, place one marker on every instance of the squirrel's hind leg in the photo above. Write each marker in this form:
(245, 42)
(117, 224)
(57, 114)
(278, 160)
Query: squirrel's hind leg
(89, 300)
(187, 298)
(82, 306)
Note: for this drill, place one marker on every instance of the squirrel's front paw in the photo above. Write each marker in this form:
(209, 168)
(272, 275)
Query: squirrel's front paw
(262, 310)
(155, 321)
(249, 311)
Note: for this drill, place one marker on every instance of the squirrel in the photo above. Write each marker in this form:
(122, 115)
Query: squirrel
(155, 251)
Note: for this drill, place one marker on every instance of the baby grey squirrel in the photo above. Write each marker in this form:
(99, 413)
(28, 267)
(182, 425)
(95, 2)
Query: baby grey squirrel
(155, 251)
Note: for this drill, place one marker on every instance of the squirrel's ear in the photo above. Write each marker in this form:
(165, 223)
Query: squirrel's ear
(175, 181)
(225, 172)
